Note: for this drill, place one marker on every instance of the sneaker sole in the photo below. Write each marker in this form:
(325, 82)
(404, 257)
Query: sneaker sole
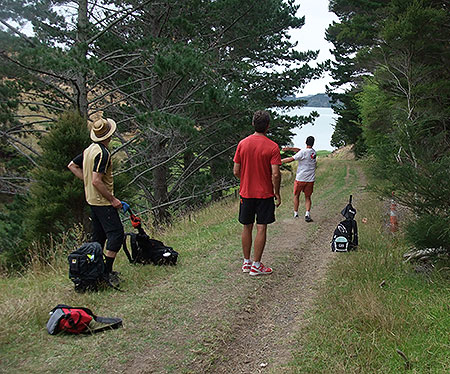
(246, 270)
(256, 274)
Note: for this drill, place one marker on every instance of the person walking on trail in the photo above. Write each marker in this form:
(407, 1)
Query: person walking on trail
(257, 164)
(94, 168)
(306, 175)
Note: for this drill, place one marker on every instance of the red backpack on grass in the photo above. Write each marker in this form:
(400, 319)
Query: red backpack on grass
(77, 320)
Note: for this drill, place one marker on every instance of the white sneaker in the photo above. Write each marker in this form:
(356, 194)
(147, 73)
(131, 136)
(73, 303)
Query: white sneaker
(260, 270)
(246, 266)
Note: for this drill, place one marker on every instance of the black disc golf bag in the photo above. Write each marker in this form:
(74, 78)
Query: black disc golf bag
(345, 236)
(77, 320)
(87, 267)
(148, 251)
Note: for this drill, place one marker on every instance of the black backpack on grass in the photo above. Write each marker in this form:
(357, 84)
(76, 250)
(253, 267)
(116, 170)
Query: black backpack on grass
(148, 251)
(345, 236)
(87, 268)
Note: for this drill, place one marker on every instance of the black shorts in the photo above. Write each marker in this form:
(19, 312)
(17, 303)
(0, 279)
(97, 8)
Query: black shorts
(264, 209)
(106, 224)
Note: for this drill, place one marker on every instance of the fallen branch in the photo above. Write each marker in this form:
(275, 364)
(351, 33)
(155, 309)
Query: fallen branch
(423, 254)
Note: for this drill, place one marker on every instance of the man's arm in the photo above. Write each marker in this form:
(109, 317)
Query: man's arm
(287, 159)
(276, 182)
(237, 170)
(76, 170)
(293, 149)
(97, 182)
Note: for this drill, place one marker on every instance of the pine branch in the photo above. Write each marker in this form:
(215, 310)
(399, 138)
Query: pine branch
(35, 115)
(183, 178)
(115, 22)
(27, 131)
(230, 26)
(12, 141)
(10, 188)
(40, 78)
(155, 166)
(41, 104)
(110, 55)
(116, 71)
(5, 56)
(16, 31)
(118, 88)
(186, 198)
(125, 144)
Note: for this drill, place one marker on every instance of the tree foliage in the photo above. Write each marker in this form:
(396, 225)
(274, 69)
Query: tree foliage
(400, 85)
(199, 71)
(181, 79)
(56, 199)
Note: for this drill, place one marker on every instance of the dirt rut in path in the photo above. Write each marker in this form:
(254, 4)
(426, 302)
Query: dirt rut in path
(262, 334)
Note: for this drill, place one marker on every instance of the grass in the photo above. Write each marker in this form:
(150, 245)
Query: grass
(156, 299)
(365, 323)
(323, 153)
(375, 313)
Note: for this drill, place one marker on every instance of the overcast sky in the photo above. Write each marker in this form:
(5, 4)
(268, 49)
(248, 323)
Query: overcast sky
(312, 37)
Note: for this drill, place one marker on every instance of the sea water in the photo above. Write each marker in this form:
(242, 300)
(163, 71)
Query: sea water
(321, 129)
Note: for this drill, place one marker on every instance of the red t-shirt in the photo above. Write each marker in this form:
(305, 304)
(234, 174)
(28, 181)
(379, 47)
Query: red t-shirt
(256, 154)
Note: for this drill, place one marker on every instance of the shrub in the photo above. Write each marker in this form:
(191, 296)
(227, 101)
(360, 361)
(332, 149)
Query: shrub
(56, 199)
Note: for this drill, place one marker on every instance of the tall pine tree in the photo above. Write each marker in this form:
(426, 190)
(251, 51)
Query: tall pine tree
(180, 78)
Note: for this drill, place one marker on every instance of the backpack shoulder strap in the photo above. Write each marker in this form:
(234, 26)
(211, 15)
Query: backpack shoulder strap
(111, 323)
(355, 233)
(125, 249)
(61, 306)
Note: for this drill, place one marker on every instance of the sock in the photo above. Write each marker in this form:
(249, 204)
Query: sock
(247, 261)
(256, 264)
(295, 213)
(109, 261)
(307, 213)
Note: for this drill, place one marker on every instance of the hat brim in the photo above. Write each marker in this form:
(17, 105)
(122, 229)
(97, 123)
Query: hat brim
(108, 134)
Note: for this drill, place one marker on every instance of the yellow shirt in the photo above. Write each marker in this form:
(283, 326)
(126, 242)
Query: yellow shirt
(97, 158)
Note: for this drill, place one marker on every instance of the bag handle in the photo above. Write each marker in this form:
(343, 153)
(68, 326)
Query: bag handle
(112, 324)
(125, 249)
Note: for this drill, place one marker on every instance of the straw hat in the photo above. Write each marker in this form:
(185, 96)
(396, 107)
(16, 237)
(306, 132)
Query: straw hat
(102, 129)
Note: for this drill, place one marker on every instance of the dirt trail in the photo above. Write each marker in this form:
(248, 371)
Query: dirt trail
(263, 334)
(260, 334)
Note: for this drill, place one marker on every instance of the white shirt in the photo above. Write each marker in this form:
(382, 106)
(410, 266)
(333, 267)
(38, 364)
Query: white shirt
(306, 171)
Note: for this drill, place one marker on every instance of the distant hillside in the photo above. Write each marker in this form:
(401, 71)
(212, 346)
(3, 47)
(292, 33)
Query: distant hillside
(319, 100)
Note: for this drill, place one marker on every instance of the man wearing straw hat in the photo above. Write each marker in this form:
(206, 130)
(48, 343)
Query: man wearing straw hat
(94, 168)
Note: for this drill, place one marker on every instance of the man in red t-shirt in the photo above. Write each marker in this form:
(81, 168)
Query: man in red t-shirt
(257, 164)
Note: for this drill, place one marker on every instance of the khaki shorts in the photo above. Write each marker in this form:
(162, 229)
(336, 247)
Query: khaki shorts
(306, 187)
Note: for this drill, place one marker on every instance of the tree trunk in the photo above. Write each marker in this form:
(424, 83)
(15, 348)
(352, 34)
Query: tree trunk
(81, 49)
(216, 174)
(161, 215)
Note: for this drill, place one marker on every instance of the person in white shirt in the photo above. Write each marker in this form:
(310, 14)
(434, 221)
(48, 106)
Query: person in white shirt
(306, 175)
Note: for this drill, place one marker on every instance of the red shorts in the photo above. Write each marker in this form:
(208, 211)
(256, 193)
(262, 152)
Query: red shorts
(306, 187)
